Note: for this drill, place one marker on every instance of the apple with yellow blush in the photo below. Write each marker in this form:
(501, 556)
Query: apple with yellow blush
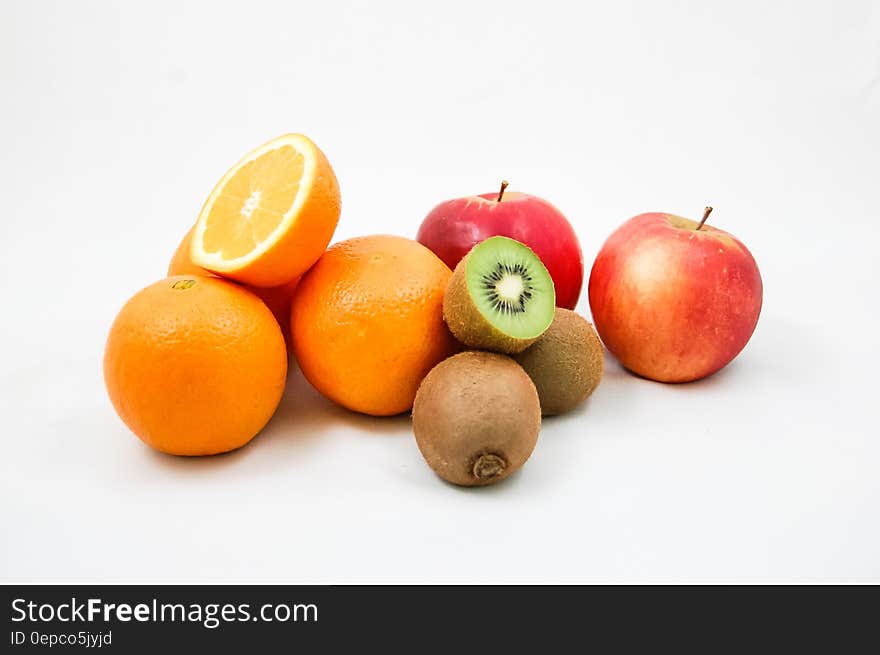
(673, 299)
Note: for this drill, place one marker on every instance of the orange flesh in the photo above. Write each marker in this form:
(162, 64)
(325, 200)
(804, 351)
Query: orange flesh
(261, 193)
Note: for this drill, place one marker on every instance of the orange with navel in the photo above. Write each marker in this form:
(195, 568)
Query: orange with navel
(195, 365)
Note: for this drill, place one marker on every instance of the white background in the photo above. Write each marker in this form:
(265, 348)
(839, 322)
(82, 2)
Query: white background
(117, 118)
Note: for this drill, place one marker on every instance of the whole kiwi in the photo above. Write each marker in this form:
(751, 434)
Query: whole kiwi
(566, 363)
(476, 418)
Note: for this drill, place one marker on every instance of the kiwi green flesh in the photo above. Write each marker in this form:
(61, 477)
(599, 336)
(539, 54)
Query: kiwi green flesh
(510, 287)
(476, 418)
(566, 363)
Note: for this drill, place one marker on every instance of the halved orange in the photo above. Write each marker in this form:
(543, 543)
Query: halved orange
(271, 216)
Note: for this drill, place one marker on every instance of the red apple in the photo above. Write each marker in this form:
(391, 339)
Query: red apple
(455, 226)
(674, 300)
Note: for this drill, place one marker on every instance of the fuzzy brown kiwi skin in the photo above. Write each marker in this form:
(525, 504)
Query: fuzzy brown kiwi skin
(466, 322)
(566, 363)
(476, 418)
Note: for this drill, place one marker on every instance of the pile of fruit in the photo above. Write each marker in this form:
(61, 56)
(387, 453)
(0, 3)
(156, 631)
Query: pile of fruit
(470, 326)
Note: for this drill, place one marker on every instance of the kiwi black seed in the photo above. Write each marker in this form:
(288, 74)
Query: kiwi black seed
(476, 418)
(500, 297)
(566, 363)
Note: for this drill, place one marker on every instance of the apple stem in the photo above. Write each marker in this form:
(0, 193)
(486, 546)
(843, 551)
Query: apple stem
(504, 184)
(706, 212)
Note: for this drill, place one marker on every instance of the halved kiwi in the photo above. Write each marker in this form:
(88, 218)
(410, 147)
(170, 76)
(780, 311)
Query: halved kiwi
(500, 297)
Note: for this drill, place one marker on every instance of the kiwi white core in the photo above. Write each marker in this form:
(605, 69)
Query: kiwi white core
(510, 287)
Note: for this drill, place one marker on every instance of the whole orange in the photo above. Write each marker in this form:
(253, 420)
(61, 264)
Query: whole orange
(195, 365)
(277, 299)
(367, 322)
